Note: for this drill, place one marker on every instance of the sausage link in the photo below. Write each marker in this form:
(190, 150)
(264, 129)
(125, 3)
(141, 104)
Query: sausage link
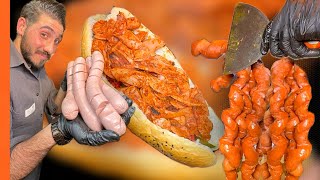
(115, 98)
(69, 105)
(279, 71)
(259, 88)
(288, 107)
(209, 50)
(109, 117)
(79, 83)
(261, 171)
(88, 63)
(265, 142)
(227, 141)
(248, 147)
(303, 148)
(221, 82)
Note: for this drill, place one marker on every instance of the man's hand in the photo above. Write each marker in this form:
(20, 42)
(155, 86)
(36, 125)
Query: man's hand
(297, 22)
(64, 130)
(126, 116)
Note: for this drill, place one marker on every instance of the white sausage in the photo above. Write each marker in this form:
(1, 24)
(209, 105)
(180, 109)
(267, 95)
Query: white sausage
(79, 83)
(109, 117)
(117, 101)
(88, 62)
(88, 66)
(69, 106)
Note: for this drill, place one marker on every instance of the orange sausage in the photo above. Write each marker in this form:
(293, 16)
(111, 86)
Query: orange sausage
(221, 82)
(228, 146)
(303, 148)
(279, 71)
(209, 50)
(313, 44)
(259, 82)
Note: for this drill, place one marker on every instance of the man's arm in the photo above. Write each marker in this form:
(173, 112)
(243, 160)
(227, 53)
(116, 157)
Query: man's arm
(28, 154)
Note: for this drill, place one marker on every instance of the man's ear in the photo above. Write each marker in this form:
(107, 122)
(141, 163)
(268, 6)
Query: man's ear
(21, 26)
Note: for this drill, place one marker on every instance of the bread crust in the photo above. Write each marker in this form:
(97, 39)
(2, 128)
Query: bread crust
(173, 146)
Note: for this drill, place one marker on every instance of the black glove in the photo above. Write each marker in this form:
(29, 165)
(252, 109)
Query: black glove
(296, 23)
(64, 83)
(126, 116)
(64, 130)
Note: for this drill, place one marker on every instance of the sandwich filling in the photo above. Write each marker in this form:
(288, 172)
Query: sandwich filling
(139, 64)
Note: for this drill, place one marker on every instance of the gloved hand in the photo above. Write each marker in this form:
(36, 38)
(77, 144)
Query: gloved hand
(64, 130)
(126, 116)
(64, 83)
(297, 22)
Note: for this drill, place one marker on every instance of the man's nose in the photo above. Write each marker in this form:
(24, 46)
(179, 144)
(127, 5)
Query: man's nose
(50, 47)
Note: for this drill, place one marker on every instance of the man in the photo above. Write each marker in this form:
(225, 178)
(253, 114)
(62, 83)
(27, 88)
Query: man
(40, 29)
(297, 22)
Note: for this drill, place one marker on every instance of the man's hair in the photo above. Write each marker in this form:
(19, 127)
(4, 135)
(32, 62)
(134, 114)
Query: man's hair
(32, 10)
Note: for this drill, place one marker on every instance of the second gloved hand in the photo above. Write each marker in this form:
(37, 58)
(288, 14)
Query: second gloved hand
(126, 116)
(64, 130)
(296, 23)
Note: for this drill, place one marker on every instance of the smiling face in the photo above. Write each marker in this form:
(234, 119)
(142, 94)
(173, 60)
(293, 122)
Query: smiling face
(39, 40)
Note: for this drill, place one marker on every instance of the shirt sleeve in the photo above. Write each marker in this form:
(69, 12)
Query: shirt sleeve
(51, 107)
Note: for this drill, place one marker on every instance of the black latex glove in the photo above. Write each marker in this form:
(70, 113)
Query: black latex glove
(64, 130)
(64, 83)
(297, 22)
(126, 116)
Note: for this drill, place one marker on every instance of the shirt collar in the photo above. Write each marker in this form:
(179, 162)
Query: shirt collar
(15, 57)
(16, 60)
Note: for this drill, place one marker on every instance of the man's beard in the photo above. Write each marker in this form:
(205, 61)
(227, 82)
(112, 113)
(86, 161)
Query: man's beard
(26, 53)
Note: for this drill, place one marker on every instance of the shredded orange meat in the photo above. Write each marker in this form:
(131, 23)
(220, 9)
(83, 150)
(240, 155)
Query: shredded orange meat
(160, 90)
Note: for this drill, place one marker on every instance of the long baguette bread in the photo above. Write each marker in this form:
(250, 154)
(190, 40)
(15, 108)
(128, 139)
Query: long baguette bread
(189, 152)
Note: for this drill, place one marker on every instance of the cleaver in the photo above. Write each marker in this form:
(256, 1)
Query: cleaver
(243, 50)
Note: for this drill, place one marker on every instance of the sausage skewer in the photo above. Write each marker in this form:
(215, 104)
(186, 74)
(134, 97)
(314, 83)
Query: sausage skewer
(261, 77)
(293, 118)
(263, 147)
(227, 142)
(279, 71)
(306, 119)
(269, 124)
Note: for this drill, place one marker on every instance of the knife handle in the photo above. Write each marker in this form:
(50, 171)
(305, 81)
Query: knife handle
(313, 44)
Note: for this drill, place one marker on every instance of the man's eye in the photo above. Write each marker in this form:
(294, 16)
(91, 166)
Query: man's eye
(57, 41)
(44, 35)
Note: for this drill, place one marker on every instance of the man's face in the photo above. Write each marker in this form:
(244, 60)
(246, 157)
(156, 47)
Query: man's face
(40, 41)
